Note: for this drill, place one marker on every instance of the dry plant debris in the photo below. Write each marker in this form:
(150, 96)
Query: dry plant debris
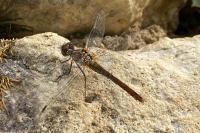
(5, 82)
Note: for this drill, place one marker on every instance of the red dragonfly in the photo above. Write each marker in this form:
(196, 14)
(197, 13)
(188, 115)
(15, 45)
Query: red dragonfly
(82, 56)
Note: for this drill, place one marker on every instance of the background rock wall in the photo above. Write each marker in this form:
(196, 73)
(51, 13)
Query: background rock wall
(163, 12)
(66, 17)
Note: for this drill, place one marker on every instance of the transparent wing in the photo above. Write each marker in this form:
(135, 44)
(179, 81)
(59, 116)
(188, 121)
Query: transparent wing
(96, 35)
(61, 91)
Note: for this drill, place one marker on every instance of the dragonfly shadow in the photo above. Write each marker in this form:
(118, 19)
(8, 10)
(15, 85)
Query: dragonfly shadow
(92, 97)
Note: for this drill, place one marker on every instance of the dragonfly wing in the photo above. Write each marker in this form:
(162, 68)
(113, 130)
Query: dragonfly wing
(61, 90)
(96, 35)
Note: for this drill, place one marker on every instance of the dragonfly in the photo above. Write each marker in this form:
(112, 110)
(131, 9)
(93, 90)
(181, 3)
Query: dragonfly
(83, 57)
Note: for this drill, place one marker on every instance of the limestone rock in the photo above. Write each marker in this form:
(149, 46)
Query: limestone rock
(165, 73)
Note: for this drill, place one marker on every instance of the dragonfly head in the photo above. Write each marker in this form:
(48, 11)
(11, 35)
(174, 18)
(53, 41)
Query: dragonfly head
(67, 49)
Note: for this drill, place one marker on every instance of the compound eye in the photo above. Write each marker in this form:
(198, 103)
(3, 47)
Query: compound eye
(64, 49)
(67, 49)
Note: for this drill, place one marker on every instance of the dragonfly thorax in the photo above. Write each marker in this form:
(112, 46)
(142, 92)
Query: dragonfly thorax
(67, 49)
(86, 56)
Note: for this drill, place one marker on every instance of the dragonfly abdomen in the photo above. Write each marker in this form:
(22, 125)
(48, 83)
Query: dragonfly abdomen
(99, 69)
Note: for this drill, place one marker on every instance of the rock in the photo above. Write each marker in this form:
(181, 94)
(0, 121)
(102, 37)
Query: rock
(163, 13)
(13, 69)
(19, 18)
(134, 38)
(165, 73)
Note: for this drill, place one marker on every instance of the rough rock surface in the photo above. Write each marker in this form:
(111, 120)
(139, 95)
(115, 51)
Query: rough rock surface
(134, 38)
(35, 16)
(166, 74)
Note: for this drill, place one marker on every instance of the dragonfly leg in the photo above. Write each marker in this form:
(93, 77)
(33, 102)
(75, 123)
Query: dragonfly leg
(66, 73)
(67, 60)
(83, 76)
(70, 68)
